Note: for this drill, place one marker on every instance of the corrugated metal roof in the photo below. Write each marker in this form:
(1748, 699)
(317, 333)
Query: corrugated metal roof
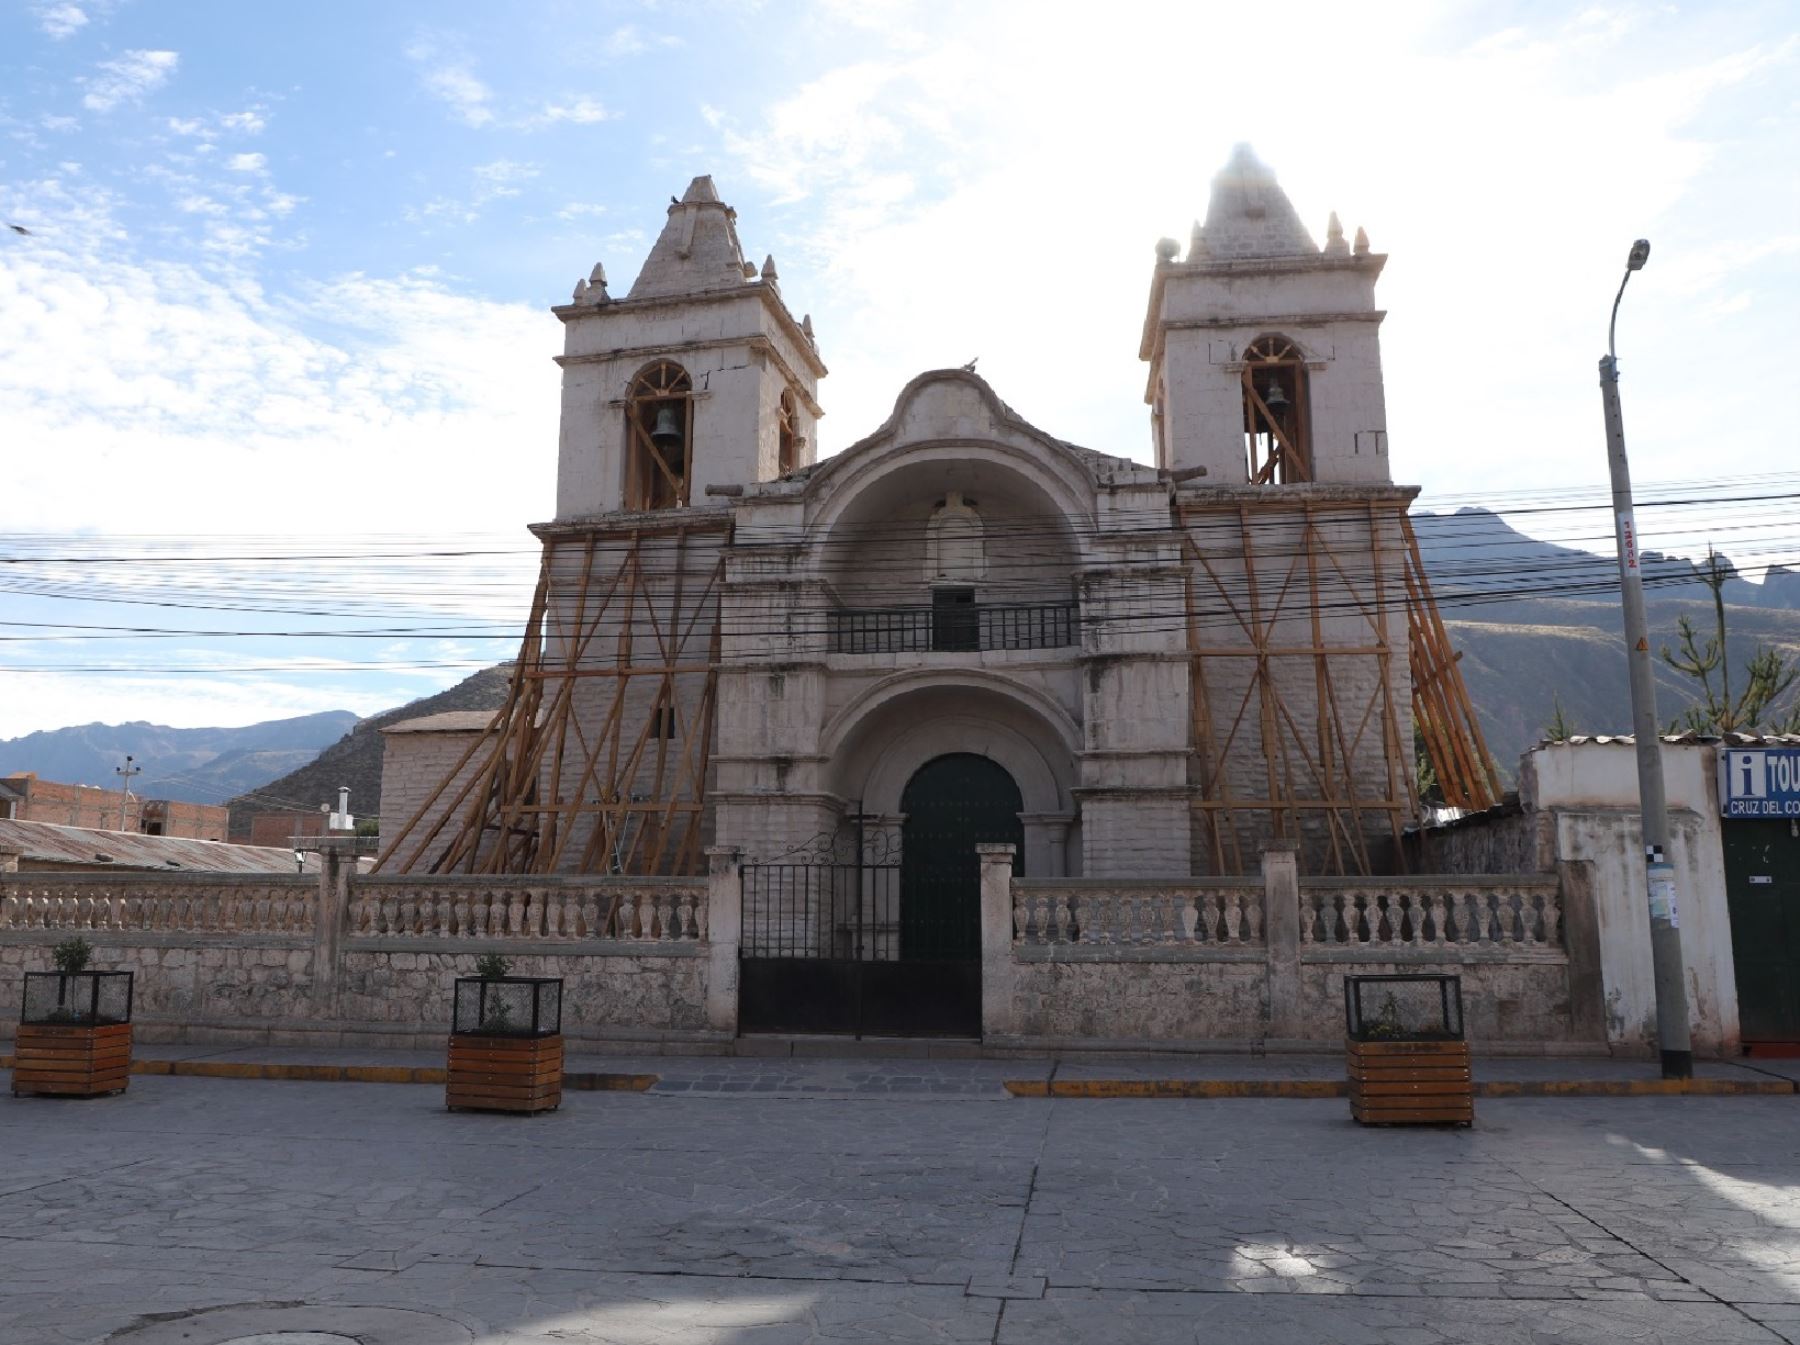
(48, 843)
(450, 721)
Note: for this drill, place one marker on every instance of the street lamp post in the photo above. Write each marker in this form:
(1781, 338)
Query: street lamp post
(1665, 932)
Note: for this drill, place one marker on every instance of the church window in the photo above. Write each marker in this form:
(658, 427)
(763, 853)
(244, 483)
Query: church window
(787, 438)
(662, 722)
(1277, 418)
(659, 424)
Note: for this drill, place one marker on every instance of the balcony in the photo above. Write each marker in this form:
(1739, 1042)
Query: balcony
(952, 624)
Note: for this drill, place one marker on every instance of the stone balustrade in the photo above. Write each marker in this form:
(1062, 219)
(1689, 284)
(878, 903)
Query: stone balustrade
(1222, 915)
(635, 910)
(1452, 915)
(159, 902)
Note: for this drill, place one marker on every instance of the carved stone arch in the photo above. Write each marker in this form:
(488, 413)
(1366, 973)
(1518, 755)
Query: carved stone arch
(879, 742)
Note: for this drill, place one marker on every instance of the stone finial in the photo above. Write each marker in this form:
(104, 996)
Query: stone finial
(581, 289)
(1362, 242)
(597, 277)
(806, 326)
(768, 272)
(749, 270)
(701, 192)
(1334, 238)
(1197, 249)
(1167, 249)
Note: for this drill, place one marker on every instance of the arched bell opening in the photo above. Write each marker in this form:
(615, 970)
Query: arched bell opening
(659, 428)
(1277, 412)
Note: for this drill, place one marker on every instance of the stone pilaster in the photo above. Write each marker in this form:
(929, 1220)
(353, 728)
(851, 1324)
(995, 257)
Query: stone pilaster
(996, 940)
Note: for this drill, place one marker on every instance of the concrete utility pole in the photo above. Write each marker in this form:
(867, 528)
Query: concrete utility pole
(1665, 917)
(127, 770)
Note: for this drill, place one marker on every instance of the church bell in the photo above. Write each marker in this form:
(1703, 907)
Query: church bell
(666, 432)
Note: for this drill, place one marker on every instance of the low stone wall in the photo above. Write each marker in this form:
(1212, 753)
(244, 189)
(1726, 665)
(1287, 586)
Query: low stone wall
(346, 959)
(1238, 964)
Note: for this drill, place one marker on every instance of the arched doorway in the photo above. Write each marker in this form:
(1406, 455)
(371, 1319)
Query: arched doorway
(952, 804)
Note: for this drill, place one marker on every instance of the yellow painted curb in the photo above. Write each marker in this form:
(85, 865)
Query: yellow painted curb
(1332, 1088)
(610, 1083)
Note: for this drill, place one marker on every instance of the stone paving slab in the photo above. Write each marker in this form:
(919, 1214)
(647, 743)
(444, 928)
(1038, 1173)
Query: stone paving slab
(913, 1217)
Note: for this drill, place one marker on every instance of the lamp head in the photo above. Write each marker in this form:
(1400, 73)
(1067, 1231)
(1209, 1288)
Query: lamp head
(1640, 253)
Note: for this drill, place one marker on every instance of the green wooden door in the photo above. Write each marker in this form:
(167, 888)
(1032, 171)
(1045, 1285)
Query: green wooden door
(1762, 885)
(952, 804)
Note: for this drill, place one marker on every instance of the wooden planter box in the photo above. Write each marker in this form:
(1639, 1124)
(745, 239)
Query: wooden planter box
(71, 1061)
(1410, 1082)
(501, 1073)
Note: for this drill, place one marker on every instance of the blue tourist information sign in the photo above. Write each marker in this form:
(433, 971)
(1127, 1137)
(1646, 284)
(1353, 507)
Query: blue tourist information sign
(1760, 782)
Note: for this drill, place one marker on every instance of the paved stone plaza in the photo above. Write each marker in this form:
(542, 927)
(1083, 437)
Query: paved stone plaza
(886, 1200)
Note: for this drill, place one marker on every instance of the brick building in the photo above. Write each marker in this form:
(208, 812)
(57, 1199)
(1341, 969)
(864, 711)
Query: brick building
(26, 798)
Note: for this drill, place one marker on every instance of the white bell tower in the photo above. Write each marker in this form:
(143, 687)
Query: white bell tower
(700, 376)
(1265, 363)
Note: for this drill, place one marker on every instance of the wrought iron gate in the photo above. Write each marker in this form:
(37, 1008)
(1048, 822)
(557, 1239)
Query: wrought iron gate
(826, 948)
(881, 948)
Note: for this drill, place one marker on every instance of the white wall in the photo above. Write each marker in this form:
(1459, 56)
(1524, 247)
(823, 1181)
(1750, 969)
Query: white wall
(1590, 790)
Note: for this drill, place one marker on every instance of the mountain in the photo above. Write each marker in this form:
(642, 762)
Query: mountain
(355, 758)
(192, 765)
(1539, 624)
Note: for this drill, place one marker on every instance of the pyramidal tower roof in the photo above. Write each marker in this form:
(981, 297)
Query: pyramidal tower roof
(1249, 216)
(698, 248)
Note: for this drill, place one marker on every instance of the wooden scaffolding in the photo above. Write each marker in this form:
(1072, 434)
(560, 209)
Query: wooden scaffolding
(598, 761)
(1294, 612)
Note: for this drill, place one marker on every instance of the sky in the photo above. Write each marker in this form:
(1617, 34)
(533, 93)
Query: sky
(275, 355)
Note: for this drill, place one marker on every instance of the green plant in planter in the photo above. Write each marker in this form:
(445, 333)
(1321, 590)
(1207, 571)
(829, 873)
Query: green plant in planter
(1386, 1026)
(492, 967)
(496, 1015)
(72, 954)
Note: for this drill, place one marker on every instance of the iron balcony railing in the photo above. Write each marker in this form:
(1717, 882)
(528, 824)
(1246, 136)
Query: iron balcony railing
(968, 628)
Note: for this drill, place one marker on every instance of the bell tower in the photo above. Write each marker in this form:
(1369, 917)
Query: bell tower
(698, 377)
(1265, 365)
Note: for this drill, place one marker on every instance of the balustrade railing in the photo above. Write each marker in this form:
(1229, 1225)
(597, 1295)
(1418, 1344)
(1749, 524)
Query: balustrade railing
(191, 903)
(1223, 916)
(470, 908)
(1492, 915)
(984, 626)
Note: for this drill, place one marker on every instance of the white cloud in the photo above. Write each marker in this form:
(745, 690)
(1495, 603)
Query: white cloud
(580, 210)
(935, 190)
(193, 126)
(61, 20)
(580, 111)
(350, 407)
(250, 121)
(630, 40)
(454, 81)
(494, 181)
(200, 205)
(129, 78)
(51, 122)
(247, 163)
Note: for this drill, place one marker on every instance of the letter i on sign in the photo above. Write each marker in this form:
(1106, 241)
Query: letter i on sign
(1749, 777)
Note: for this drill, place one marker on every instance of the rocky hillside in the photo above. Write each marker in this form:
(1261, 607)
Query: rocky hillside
(1539, 624)
(355, 758)
(192, 765)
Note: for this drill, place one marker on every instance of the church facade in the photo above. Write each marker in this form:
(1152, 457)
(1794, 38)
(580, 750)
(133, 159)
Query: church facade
(963, 629)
